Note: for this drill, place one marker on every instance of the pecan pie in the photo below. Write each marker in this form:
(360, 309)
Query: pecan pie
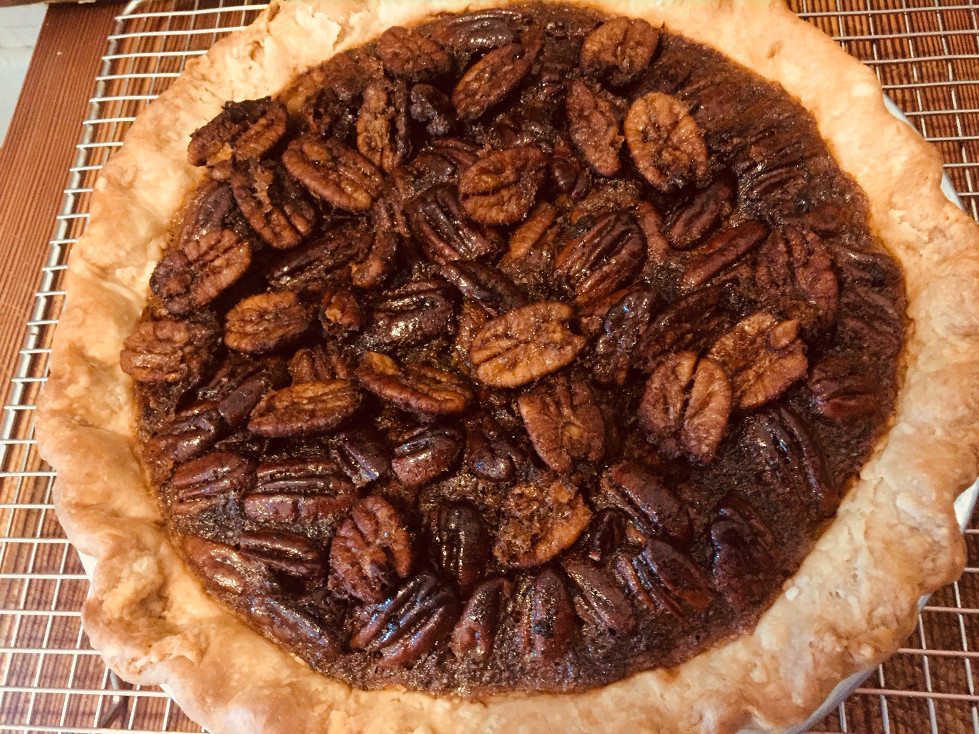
(589, 365)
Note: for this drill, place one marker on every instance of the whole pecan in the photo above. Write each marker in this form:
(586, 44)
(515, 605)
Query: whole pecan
(195, 273)
(409, 624)
(491, 79)
(243, 130)
(720, 252)
(416, 313)
(545, 619)
(406, 54)
(266, 321)
(209, 481)
(383, 136)
(475, 632)
(167, 350)
(333, 172)
(426, 454)
(294, 489)
(763, 357)
(494, 291)
(593, 128)
(417, 388)
(500, 188)
(701, 214)
(603, 259)
(793, 265)
(462, 542)
(666, 143)
(686, 405)
(619, 50)
(597, 599)
(304, 409)
(540, 519)
(440, 226)
(661, 577)
(279, 550)
(645, 498)
(274, 204)
(371, 549)
(564, 421)
(525, 344)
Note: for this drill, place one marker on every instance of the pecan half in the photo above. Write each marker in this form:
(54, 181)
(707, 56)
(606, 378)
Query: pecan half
(319, 261)
(705, 210)
(426, 454)
(742, 565)
(289, 553)
(340, 312)
(564, 421)
(843, 387)
(597, 599)
(593, 128)
(491, 79)
(371, 549)
(605, 258)
(541, 519)
(692, 322)
(331, 171)
(274, 204)
(619, 50)
(407, 54)
(500, 188)
(462, 542)
(409, 624)
(416, 313)
(294, 489)
(653, 507)
(167, 350)
(686, 405)
(493, 453)
(793, 265)
(363, 455)
(243, 130)
(304, 409)
(321, 363)
(224, 568)
(791, 460)
(763, 357)
(666, 143)
(478, 31)
(525, 344)
(545, 618)
(440, 226)
(209, 481)
(494, 291)
(266, 321)
(190, 433)
(383, 136)
(414, 387)
(720, 252)
(622, 331)
(475, 632)
(661, 577)
(197, 272)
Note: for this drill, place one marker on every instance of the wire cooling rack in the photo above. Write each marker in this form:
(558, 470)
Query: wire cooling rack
(927, 57)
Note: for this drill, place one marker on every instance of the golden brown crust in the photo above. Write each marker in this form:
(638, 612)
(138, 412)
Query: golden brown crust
(851, 603)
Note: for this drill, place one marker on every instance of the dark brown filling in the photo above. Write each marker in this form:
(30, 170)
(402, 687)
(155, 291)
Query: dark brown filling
(525, 349)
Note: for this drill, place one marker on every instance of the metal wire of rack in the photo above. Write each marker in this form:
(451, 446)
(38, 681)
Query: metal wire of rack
(926, 54)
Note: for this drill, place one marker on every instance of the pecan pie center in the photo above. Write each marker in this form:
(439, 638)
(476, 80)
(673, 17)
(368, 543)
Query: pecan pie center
(524, 349)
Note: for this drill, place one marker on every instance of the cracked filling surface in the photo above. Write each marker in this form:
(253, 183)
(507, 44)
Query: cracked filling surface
(524, 349)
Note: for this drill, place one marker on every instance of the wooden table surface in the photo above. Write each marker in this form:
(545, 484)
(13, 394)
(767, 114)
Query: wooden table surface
(928, 56)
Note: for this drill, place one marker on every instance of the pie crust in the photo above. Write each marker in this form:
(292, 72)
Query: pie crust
(852, 602)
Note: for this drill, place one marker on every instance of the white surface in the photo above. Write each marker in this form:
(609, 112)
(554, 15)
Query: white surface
(19, 28)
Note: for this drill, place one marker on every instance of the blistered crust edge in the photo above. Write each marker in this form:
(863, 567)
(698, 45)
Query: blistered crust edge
(853, 600)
